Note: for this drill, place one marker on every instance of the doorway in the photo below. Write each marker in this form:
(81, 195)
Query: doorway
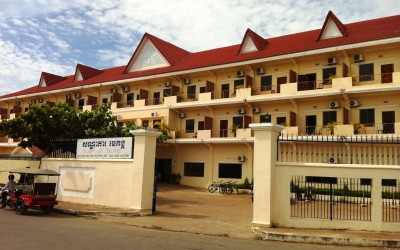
(225, 90)
(387, 73)
(388, 119)
(163, 169)
(311, 123)
(223, 128)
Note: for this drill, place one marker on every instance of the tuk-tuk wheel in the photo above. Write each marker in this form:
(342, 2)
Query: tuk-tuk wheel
(46, 209)
(20, 207)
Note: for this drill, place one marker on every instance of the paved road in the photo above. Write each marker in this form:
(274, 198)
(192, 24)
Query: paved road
(36, 230)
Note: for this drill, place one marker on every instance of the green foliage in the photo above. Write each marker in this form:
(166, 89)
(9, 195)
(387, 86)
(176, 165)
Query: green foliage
(42, 123)
(246, 183)
(162, 138)
(176, 178)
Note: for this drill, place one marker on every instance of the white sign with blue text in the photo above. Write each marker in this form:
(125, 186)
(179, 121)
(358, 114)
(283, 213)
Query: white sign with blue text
(105, 148)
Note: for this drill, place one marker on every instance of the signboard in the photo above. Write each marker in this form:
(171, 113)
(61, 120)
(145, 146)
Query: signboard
(105, 148)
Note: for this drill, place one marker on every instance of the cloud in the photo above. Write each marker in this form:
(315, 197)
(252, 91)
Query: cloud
(53, 36)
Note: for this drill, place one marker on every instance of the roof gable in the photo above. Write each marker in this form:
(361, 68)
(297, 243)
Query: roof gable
(48, 79)
(252, 42)
(153, 52)
(332, 28)
(83, 72)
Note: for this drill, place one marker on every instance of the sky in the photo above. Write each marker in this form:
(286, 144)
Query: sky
(55, 35)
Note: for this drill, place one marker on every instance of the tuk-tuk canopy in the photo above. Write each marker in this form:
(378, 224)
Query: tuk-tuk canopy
(34, 171)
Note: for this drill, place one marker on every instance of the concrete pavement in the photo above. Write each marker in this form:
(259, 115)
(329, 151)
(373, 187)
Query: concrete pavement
(183, 209)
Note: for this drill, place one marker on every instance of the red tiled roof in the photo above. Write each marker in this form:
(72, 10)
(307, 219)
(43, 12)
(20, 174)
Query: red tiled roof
(371, 30)
(86, 71)
(258, 41)
(51, 79)
(342, 28)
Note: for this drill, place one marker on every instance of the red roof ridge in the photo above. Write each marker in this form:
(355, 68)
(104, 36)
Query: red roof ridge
(171, 52)
(342, 28)
(86, 71)
(50, 79)
(258, 40)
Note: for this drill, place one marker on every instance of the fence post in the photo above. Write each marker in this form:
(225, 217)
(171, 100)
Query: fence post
(143, 170)
(265, 152)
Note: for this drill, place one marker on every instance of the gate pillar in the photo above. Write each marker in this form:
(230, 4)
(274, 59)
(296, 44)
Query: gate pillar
(265, 156)
(143, 169)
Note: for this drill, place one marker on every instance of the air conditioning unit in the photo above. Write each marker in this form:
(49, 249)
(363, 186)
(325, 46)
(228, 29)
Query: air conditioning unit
(78, 95)
(18, 103)
(354, 103)
(182, 115)
(68, 97)
(113, 90)
(40, 100)
(240, 73)
(167, 84)
(333, 160)
(332, 60)
(259, 71)
(241, 111)
(241, 158)
(255, 110)
(186, 81)
(153, 114)
(358, 58)
(126, 89)
(334, 105)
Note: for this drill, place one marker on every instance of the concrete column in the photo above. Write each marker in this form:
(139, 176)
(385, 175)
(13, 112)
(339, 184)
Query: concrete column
(265, 156)
(143, 169)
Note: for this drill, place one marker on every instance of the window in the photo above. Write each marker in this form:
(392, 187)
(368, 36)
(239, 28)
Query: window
(366, 72)
(230, 170)
(238, 121)
(326, 73)
(281, 120)
(367, 117)
(166, 92)
(81, 102)
(189, 125)
(104, 100)
(191, 92)
(328, 117)
(265, 118)
(266, 83)
(238, 82)
(129, 98)
(200, 125)
(194, 169)
(145, 123)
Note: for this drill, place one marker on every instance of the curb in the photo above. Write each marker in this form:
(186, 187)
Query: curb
(95, 213)
(324, 240)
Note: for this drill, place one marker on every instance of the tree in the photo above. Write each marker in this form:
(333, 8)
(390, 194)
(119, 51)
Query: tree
(164, 128)
(41, 124)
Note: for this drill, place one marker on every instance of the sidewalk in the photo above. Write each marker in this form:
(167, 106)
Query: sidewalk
(183, 209)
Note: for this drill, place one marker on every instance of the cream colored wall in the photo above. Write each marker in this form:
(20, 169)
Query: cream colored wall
(211, 155)
(112, 181)
(379, 56)
(281, 204)
(6, 165)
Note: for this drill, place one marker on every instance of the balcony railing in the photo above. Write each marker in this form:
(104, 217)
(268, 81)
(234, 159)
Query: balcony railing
(312, 85)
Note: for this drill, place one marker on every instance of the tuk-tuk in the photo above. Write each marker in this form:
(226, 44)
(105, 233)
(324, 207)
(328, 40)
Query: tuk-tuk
(35, 188)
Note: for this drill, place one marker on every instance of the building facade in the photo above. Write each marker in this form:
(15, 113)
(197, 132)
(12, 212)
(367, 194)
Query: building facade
(340, 80)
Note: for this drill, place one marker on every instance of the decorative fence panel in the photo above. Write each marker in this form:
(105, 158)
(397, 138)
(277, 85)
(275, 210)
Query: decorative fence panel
(391, 200)
(370, 150)
(330, 198)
